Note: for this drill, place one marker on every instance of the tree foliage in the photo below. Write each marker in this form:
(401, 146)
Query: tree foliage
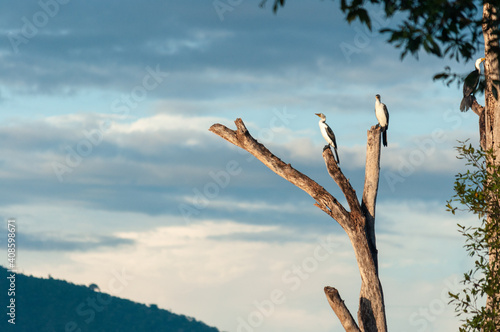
(478, 191)
(444, 28)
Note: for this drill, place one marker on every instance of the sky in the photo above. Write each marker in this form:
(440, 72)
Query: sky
(113, 178)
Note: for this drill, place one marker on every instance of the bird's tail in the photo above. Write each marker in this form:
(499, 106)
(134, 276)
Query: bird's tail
(384, 137)
(466, 103)
(336, 155)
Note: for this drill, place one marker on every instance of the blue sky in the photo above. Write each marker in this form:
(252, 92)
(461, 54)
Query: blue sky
(104, 116)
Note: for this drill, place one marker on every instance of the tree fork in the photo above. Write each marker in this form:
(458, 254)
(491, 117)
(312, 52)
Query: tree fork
(358, 223)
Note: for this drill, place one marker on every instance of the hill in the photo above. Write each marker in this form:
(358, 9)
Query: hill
(57, 305)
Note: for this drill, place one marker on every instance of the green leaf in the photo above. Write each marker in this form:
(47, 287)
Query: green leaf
(365, 18)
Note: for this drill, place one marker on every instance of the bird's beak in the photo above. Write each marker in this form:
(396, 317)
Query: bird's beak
(482, 59)
(318, 114)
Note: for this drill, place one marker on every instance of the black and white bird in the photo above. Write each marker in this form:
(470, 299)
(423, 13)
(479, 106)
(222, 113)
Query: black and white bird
(470, 85)
(328, 134)
(383, 118)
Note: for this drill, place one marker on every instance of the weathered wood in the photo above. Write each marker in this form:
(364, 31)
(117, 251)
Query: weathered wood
(341, 310)
(479, 110)
(371, 314)
(492, 117)
(344, 184)
(491, 72)
(476, 107)
(370, 189)
(358, 223)
(324, 200)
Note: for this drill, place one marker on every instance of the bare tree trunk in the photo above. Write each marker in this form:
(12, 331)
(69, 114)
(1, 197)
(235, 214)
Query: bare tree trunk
(491, 72)
(358, 223)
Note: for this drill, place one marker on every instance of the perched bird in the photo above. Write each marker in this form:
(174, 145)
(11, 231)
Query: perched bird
(383, 118)
(328, 134)
(470, 85)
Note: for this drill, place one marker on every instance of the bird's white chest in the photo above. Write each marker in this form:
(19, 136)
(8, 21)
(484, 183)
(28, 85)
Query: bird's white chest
(323, 128)
(380, 114)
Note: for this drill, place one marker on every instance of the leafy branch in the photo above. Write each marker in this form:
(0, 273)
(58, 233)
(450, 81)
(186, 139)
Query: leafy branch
(478, 190)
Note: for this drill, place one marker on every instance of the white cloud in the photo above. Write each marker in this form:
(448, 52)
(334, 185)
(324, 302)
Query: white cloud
(167, 123)
(206, 270)
(194, 271)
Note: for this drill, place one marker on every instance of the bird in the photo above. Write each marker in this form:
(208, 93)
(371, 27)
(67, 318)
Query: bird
(383, 117)
(470, 85)
(328, 134)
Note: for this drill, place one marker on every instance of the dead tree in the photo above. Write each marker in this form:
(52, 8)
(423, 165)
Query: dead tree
(358, 222)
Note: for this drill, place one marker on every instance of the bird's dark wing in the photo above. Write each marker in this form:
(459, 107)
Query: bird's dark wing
(386, 112)
(330, 133)
(470, 83)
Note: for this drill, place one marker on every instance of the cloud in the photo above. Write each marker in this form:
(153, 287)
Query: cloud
(195, 255)
(195, 263)
(155, 164)
(67, 242)
(81, 45)
(85, 47)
